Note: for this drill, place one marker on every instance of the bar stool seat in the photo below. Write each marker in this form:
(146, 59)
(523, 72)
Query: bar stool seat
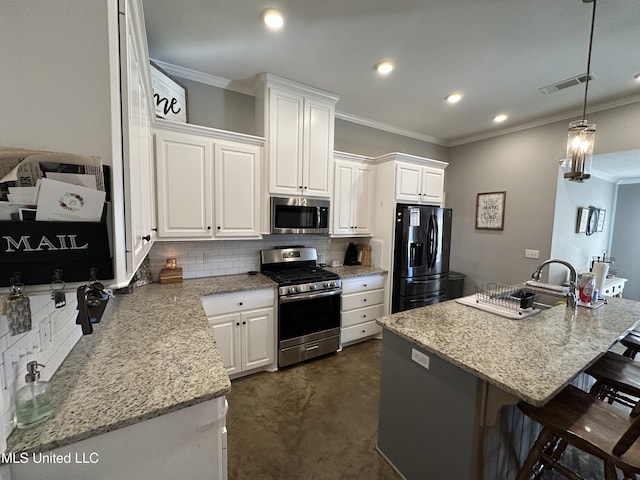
(632, 342)
(579, 419)
(617, 379)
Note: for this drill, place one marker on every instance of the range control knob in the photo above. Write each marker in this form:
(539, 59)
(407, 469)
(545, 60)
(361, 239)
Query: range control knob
(313, 286)
(330, 284)
(292, 289)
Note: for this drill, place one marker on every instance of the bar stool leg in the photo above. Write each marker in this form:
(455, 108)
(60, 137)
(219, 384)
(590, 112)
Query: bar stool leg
(535, 455)
(610, 471)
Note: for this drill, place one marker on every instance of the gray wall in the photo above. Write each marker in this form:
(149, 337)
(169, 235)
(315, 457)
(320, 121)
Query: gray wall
(578, 248)
(219, 108)
(625, 245)
(524, 164)
(354, 138)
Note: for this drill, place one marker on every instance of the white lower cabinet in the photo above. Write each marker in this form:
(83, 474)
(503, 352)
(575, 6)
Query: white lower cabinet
(362, 303)
(243, 325)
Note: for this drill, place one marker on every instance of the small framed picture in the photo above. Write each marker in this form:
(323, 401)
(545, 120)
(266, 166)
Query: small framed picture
(601, 214)
(490, 210)
(581, 221)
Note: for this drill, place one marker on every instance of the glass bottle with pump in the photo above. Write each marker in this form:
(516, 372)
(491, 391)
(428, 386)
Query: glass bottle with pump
(34, 404)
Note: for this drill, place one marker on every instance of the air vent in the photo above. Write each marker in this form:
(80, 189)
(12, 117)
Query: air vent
(569, 82)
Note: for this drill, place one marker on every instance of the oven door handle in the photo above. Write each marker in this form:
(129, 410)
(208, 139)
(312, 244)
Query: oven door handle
(309, 296)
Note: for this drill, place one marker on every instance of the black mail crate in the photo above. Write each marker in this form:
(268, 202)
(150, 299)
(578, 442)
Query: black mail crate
(37, 249)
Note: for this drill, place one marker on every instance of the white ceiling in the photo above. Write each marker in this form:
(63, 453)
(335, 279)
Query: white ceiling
(618, 166)
(497, 52)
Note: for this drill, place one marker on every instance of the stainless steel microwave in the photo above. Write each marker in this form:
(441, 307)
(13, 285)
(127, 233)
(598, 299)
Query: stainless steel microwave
(299, 215)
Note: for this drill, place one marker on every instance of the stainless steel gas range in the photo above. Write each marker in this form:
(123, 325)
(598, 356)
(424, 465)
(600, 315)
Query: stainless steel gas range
(308, 303)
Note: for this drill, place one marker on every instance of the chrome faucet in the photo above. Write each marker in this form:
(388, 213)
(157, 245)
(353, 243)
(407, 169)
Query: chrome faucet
(572, 298)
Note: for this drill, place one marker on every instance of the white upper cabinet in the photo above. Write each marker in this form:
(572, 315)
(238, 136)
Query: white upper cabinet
(184, 178)
(137, 108)
(419, 184)
(353, 184)
(298, 123)
(209, 182)
(237, 189)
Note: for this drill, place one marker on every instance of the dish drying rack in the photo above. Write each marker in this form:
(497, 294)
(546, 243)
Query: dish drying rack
(503, 300)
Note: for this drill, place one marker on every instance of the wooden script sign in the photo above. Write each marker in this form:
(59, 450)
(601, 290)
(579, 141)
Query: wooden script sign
(169, 98)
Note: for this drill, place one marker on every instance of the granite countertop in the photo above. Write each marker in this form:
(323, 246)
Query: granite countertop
(355, 271)
(153, 353)
(531, 359)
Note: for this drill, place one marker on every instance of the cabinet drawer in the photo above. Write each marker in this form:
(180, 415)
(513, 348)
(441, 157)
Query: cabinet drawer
(360, 300)
(238, 301)
(360, 284)
(361, 315)
(357, 332)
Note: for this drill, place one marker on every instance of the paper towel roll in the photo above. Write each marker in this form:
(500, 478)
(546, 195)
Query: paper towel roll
(600, 270)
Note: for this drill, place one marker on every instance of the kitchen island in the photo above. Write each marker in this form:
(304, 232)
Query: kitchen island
(151, 371)
(448, 369)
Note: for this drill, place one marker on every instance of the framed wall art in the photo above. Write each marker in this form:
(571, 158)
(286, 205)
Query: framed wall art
(581, 220)
(169, 97)
(601, 214)
(490, 210)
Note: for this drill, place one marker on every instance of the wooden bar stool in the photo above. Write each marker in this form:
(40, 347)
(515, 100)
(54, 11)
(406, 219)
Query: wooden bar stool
(577, 418)
(632, 342)
(617, 379)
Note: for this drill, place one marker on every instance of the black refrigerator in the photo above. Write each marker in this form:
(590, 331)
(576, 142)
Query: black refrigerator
(421, 256)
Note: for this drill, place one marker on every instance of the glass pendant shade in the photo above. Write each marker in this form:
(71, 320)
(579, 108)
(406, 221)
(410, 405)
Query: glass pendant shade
(579, 150)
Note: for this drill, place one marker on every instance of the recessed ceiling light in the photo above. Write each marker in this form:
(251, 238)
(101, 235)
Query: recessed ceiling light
(453, 97)
(637, 77)
(385, 67)
(273, 18)
(500, 118)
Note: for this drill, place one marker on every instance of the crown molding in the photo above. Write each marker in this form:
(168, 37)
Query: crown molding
(352, 157)
(390, 128)
(597, 107)
(196, 76)
(626, 181)
(248, 88)
(604, 176)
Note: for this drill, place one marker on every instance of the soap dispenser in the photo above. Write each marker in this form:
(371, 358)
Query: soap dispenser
(34, 404)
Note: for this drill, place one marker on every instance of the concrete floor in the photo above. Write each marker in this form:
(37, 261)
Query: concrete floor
(317, 420)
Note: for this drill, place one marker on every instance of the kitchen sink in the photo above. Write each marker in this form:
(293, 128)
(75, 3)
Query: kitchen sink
(544, 301)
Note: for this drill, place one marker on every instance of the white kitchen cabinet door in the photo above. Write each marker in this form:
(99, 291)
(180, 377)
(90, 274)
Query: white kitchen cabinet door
(137, 143)
(408, 182)
(432, 185)
(258, 327)
(237, 189)
(184, 179)
(318, 148)
(286, 112)
(227, 332)
(362, 211)
(343, 198)
(419, 184)
(352, 197)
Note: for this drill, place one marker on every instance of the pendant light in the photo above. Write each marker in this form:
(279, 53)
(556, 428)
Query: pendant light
(582, 133)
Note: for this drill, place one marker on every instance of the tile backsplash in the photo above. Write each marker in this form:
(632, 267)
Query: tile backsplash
(226, 257)
(52, 336)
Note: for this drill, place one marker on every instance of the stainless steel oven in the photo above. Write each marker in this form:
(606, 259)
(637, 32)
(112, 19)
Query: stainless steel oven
(308, 303)
(299, 215)
(309, 325)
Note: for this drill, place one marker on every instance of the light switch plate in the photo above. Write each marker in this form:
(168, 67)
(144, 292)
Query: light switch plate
(528, 253)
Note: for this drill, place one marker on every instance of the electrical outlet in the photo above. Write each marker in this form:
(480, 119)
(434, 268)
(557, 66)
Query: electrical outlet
(528, 253)
(420, 358)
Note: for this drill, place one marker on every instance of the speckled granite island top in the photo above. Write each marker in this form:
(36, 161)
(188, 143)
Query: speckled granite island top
(531, 359)
(153, 353)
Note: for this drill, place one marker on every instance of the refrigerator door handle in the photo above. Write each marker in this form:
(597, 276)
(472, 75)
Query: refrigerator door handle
(434, 241)
(432, 238)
